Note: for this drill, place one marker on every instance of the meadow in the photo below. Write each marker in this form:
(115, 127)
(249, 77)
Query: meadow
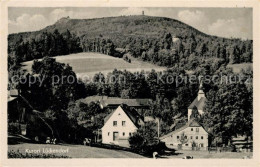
(74, 151)
(89, 63)
(238, 67)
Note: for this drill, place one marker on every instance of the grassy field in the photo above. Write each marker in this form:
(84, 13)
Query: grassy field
(76, 151)
(206, 154)
(80, 151)
(237, 67)
(88, 63)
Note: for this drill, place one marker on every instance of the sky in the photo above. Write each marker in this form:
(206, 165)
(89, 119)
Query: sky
(224, 22)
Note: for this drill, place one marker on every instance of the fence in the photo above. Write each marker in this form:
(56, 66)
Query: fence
(221, 149)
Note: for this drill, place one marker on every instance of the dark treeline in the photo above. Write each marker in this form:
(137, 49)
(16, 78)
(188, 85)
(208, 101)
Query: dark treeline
(101, 45)
(189, 51)
(47, 43)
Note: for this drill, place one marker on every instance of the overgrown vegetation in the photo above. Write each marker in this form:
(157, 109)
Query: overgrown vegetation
(17, 154)
(146, 141)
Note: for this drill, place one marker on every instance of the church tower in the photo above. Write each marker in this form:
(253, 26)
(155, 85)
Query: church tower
(198, 102)
(201, 92)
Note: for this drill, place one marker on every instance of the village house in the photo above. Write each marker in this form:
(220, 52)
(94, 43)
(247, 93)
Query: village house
(17, 112)
(22, 118)
(120, 124)
(192, 136)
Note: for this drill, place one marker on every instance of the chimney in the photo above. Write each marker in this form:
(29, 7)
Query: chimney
(201, 92)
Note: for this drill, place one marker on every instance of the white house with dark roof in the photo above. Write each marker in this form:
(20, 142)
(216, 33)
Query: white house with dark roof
(120, 124)
(190, 136)
(198, 102)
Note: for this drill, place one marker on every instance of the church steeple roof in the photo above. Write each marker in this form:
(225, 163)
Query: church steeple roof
(199, 101)
(201, 89)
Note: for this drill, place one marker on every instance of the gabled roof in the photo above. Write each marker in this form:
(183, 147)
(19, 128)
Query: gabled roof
(133, 115)
(12, 95)
(93, 99)
(148, 119)
(130, 102)
(190, 123)
(116, 101)
(198, 103)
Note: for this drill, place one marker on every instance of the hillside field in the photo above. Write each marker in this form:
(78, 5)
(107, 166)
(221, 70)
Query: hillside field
(75, 151)
(238, 67)
(89, 63)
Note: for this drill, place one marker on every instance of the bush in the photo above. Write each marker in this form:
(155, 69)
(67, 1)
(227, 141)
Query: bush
(13, 154)
(14, 128)
(145, 140)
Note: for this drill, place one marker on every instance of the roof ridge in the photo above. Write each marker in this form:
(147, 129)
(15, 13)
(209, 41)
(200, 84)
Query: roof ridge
(183, 127)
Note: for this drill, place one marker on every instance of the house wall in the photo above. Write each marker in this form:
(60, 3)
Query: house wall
(172, 141)
(108, 129)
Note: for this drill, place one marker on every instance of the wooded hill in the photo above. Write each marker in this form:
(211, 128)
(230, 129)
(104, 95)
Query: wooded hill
(116, 28)
(159, 40)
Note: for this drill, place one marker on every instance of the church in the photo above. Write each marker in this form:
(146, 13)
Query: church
(198, 103)
(191, 136)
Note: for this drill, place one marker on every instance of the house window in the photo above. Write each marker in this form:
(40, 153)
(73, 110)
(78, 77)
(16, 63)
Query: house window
(123, 133)
(185, 137)
(186, 144)
(130, 134)
(123, 123)
(114, 123)
(201, 145)
(197, 137)
(108, 133)
(191, 137)
(191, 129)
(197, 129)
(177, 137)
(201, 137)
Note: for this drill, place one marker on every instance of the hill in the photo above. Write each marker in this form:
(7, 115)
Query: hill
(116, 28)
(158, 40)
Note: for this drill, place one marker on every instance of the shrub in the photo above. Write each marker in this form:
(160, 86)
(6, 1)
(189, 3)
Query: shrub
(145, 140)
(14, 154)
(14, 128)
